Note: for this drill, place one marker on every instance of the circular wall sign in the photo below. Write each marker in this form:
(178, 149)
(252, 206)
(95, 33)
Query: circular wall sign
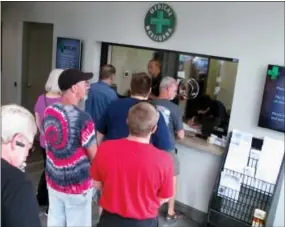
(160, 22)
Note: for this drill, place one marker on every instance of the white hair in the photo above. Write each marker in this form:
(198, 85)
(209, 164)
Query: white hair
(16, 119)
(167, 82)
(52, 82)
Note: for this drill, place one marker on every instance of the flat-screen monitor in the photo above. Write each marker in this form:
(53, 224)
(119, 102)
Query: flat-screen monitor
(68, 53)
(273, 101)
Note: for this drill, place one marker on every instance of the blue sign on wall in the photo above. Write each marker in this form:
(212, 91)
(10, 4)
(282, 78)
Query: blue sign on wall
(68, 53)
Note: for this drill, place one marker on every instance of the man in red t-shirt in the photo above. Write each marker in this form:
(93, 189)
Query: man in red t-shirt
(135, 177)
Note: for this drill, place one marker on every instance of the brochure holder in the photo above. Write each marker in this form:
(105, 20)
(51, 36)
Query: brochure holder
(234, 206)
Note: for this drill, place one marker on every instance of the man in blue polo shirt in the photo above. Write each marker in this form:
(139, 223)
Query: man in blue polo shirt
(114, 123)
(101, 94)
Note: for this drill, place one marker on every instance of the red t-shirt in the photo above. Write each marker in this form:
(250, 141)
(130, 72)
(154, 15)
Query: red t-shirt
(134, 176)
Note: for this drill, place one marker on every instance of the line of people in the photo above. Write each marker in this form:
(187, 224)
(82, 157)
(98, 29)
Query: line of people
(124, 148)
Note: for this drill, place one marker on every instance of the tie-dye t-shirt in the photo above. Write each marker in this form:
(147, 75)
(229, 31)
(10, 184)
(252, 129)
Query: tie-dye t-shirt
(68, 132)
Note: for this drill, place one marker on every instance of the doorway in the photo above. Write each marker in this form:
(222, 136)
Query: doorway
(36, 61)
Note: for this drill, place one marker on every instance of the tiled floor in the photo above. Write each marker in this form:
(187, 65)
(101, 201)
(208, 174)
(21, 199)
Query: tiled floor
(34, 169)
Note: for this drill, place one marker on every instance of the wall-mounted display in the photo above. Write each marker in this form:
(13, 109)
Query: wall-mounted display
(272, 113)
(68, 53)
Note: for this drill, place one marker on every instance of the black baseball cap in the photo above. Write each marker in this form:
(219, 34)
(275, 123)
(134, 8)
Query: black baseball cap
(70, 77)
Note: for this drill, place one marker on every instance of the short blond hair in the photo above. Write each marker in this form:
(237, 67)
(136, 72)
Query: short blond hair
(52, 82)
(142, 118)
(16, 119)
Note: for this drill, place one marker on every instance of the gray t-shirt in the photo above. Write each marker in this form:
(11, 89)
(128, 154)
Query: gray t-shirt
(172, 115)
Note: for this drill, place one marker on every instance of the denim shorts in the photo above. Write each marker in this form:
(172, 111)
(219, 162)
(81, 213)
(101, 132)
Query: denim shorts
(69, 209)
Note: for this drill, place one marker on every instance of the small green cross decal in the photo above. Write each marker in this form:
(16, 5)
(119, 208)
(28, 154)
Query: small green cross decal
(159, 21)
(61, 46)
(274, 72)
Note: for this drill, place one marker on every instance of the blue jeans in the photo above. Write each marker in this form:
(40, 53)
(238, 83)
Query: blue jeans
(69, 210)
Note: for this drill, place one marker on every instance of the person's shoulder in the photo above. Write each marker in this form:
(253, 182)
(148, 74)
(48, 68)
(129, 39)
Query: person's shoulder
(83, 115)
(110, 147)
(163, 156)
(120, 103)
(12, 176)
(55, 107)
(111, 143)
(40, 99)
(155, 101)
(164, 102)
(170, 105)
(174, 106)
(94, 85)
(114, 105)
(41, 96)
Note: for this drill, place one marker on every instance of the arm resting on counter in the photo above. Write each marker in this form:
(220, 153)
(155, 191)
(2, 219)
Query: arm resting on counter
(200, 144)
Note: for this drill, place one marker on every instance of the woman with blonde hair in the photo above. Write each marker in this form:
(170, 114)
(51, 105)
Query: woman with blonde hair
(52, 95)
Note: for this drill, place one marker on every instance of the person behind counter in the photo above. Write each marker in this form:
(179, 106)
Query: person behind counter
(210, 113)
(153, 68)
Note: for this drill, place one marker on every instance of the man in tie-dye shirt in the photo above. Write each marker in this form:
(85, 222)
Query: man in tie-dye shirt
(70, 145)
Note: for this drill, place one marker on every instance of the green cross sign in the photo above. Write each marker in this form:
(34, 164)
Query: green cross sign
(160, 22)
(61, 46)
(273, 73)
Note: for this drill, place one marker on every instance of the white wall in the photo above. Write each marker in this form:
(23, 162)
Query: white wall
(253, 32)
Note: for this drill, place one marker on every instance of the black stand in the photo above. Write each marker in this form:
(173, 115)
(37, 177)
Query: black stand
(225, 211)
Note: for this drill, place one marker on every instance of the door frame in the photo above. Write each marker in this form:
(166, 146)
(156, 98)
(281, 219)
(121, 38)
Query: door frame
(23, 53)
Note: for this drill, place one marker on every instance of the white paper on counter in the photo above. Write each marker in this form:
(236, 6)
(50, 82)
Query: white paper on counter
(190, 129)
(270, 160)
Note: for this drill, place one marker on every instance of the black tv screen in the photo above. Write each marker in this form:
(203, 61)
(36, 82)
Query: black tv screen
(273, 102)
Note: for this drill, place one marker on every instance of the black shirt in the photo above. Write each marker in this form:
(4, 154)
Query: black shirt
(218, 110)
(19, 207)
(155, 85)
